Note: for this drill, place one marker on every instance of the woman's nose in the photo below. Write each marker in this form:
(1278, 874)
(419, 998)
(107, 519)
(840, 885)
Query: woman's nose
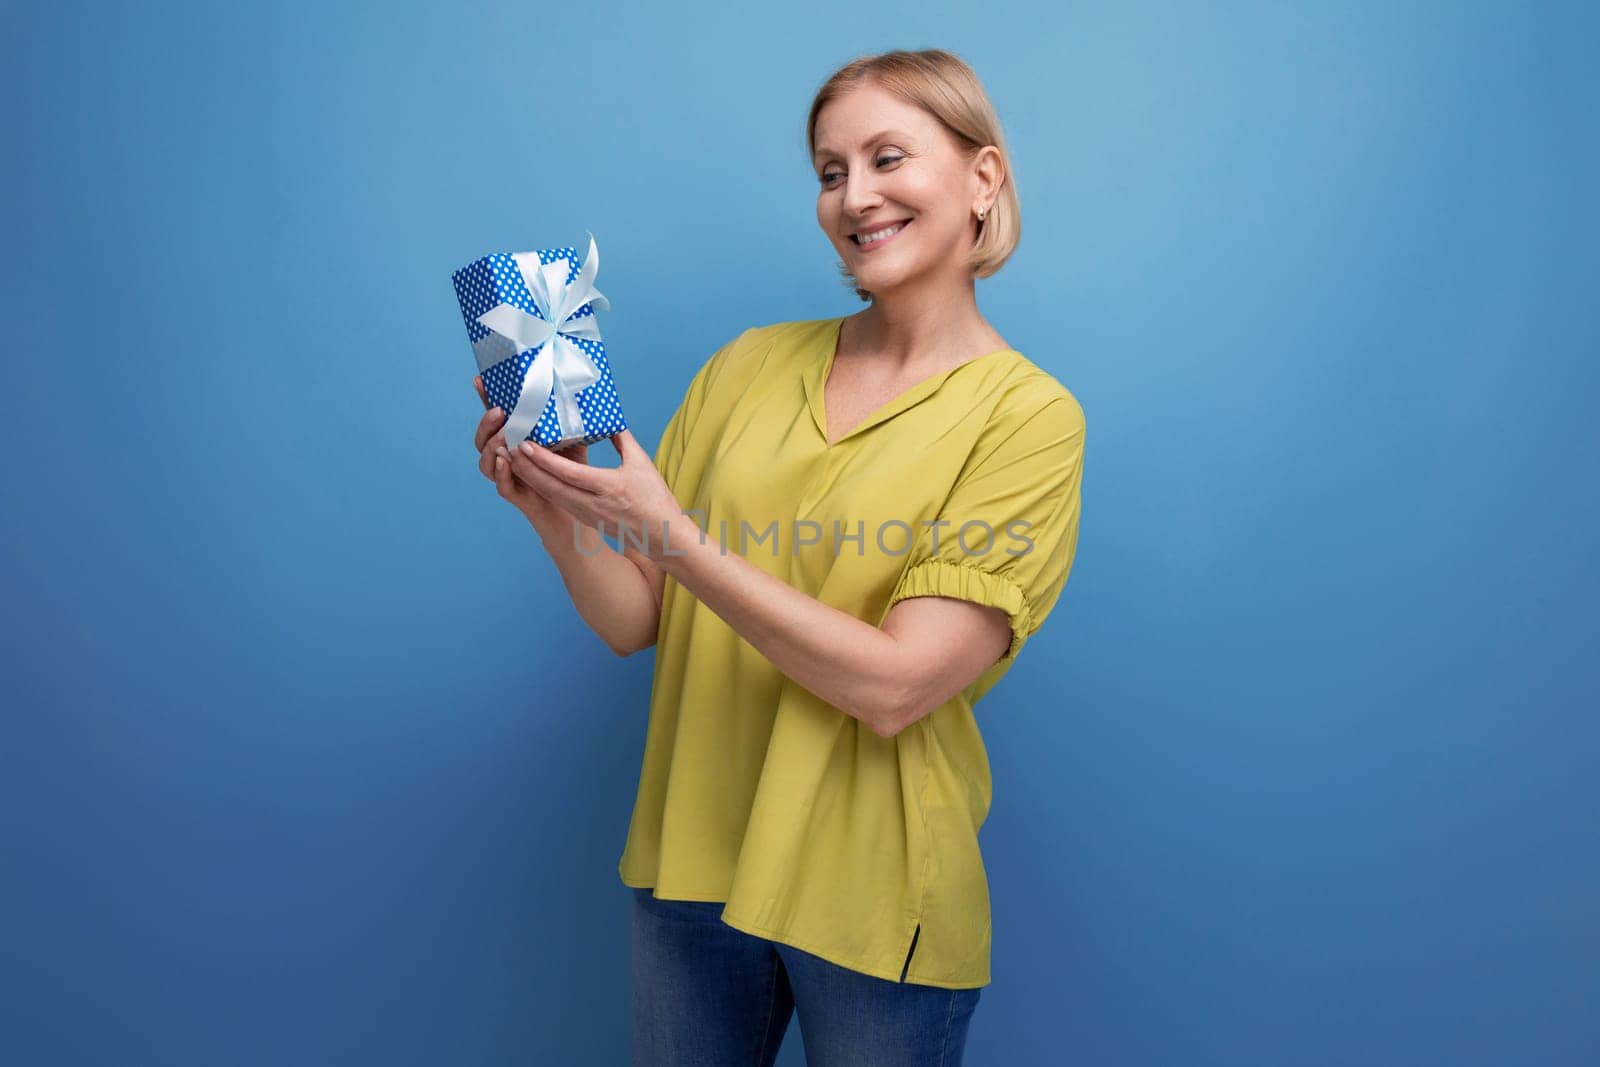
(860, 196)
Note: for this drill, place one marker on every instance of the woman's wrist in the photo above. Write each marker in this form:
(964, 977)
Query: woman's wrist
(561, 533)
(668, 537)
(608, 590)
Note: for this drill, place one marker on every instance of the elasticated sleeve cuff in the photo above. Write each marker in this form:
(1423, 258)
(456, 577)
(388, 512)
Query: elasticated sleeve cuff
(961, 581)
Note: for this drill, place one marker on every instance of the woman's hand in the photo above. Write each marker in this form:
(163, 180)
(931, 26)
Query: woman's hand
(490, 441)
(632, 500)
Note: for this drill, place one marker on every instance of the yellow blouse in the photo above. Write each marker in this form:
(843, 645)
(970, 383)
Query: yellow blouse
(813, 829)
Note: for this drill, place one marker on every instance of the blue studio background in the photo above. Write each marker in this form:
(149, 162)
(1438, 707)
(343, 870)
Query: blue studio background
(305, 757)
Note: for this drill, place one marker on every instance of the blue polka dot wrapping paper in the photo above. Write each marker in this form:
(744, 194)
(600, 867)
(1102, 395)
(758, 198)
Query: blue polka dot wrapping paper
(531, 319)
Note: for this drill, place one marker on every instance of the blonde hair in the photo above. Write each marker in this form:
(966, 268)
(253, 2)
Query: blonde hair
(941, 84)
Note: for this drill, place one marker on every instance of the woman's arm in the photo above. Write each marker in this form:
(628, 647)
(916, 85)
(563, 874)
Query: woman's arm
(929, 649)
(618, 596)
(615, 593)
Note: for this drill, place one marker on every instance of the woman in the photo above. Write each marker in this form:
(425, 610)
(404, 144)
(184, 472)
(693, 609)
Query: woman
(887, 508)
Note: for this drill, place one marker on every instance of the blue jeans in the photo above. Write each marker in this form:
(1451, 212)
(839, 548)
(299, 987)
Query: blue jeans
(708, 995)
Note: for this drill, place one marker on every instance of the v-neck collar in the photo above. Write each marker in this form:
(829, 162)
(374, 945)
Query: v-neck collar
(815, 379)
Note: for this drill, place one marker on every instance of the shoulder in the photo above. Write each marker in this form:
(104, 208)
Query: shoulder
(734, 368)
(777, 347)
(1027, 395)
(792, 327)
(788, 336)
(759, 344)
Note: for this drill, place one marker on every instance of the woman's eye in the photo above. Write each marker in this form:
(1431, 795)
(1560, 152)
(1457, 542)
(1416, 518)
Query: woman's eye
(880, 161)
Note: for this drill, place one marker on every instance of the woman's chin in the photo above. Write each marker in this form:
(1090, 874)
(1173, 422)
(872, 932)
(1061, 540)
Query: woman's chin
(881, 279)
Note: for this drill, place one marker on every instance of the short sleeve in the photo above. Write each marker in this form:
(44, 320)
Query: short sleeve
(680, 428)
(1007, 534)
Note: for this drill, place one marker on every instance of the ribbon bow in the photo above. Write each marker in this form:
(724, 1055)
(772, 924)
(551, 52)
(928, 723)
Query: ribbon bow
(562, 368)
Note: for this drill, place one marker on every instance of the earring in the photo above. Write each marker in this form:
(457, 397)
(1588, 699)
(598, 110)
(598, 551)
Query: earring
(980, 213)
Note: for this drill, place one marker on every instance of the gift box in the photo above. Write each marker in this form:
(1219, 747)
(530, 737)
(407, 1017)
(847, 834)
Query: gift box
(530, 318)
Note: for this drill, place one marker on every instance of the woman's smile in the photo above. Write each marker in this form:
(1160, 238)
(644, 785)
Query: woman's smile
(878, 238)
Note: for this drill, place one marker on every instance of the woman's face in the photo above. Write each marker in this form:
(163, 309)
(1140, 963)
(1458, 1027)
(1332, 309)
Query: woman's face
(882, 161)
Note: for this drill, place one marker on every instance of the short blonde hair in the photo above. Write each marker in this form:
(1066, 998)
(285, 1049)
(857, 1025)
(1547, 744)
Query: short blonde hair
(941, 84)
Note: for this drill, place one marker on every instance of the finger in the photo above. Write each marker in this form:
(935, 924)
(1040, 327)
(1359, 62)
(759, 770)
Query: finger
(635, 452)
(502, 477)
(626, 444)
(486, 463)
(506, 462)
(547, 485)
(507, 486)
(496, 445)
(491, 421)
(580, 476)
(522, 468)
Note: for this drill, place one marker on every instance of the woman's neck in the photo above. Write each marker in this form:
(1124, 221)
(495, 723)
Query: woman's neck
(922, 331)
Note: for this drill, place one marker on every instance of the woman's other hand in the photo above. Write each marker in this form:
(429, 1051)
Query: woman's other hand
(490, 442)
(632, 500)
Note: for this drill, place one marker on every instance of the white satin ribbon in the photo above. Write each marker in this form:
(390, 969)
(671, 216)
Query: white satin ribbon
(561, 368)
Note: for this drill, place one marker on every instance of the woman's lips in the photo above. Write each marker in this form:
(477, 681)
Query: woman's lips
(880, 242)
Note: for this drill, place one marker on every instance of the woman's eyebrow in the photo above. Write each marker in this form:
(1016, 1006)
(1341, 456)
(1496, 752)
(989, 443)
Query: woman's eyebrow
(825, 150)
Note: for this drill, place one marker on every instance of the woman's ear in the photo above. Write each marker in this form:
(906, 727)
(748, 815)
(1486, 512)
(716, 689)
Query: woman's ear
(990, 171)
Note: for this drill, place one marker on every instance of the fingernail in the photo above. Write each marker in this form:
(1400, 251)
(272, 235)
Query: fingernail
(501, 453)
(527, 448)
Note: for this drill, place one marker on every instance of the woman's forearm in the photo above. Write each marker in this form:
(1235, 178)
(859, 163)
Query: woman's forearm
(849, 663)
(611, 594)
